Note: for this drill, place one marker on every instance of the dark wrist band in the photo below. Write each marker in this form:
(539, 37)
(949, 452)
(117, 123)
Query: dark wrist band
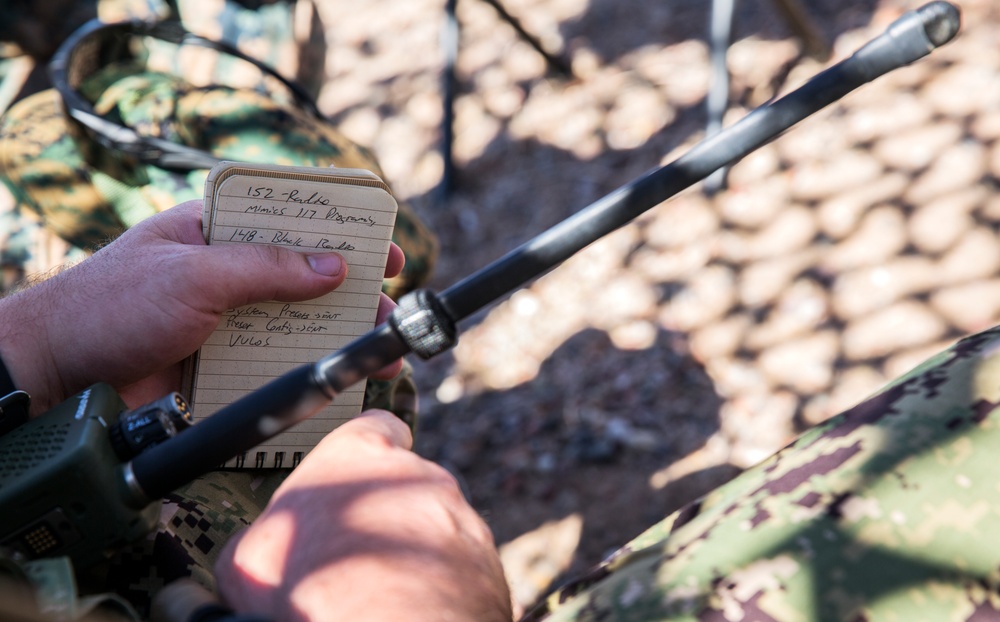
(216, 612)
(13, 403)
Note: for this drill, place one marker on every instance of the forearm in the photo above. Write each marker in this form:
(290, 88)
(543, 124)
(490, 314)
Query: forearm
(26, 349)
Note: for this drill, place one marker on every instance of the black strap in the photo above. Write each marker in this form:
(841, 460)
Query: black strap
(13, 403)
(96, 43)
(216, 612)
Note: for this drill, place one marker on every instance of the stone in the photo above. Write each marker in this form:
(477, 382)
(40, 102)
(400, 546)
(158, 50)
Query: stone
(755, 167)
(850, 387)
(963, 89)
(839, 215)
(533, 560)
(880, 235)
(971, 307)
(994, 160)
(919, 146)
(812, 140)
(757, 425)
(755, 205)
(936, 226)
(804, 365)
(959, 167)
(637, 114)
(975, 256)
(733, 377)
(704, 299)
(990, 209)
(664, 266)
(800, 310)
(791, 230)
(859, 292)
(907, 324)
(721, 338)
(905, 361)
(896, 114)
(819, 179)
(986, 125)
(763, 281)
(626, 296)
(685, 220)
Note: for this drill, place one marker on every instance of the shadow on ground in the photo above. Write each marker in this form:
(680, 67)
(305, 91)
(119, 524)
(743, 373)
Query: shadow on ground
(584, 440)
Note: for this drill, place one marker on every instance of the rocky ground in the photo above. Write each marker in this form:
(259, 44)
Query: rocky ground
(692, 343)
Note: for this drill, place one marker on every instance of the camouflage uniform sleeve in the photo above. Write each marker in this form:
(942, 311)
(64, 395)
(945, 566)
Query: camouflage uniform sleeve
(886, 512)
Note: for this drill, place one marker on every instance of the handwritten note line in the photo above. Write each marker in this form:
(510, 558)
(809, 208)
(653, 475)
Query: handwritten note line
(305, 210)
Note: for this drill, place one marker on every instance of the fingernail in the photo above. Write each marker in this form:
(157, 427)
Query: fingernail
(327, 265)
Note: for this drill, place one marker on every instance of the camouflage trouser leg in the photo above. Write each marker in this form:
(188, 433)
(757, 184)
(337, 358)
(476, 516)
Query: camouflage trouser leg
(890, 511)
(195, 523)
(199, 518)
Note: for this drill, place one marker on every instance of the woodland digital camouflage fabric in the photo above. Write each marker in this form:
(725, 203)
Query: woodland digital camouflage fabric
(890, 511)
(195, 523)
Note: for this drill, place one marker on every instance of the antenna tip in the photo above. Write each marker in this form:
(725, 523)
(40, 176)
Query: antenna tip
(941, 21)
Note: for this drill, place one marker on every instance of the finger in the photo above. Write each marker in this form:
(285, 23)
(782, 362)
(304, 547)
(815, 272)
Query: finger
(178, 601)
(394, 265)
(152, 387)
(368, 446)
(390, 371)
(385, 307)
(181, 223)
(395, 262)
(375, 423)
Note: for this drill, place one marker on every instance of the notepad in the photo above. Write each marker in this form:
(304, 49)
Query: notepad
(350, 211)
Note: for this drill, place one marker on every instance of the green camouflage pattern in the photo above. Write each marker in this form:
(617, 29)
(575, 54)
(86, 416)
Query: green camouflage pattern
(35, 28)
(66, 185)
(398, 396)
(288, 35)
(70, 197)
(889, 511)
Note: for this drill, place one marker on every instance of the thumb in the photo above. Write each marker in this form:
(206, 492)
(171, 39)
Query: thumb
(180, 601)
(246, 272)
(374, 423)
(250, 273)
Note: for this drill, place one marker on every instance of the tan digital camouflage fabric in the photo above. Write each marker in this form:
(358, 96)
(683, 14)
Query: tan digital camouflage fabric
(889, 511)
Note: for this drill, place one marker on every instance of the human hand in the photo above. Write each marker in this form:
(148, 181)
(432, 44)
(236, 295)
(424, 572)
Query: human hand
(134, 311)
(364, 529)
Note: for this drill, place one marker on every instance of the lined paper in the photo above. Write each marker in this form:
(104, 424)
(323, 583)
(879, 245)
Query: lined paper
(349, 211)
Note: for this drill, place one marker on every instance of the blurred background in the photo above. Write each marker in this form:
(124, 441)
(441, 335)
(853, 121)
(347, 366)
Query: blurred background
(694, 342)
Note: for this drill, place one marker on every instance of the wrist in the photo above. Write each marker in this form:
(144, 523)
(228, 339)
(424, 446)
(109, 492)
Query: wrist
(25, 349)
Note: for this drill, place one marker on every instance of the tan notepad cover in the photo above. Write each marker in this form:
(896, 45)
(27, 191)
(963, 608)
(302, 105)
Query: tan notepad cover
(311, 210)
